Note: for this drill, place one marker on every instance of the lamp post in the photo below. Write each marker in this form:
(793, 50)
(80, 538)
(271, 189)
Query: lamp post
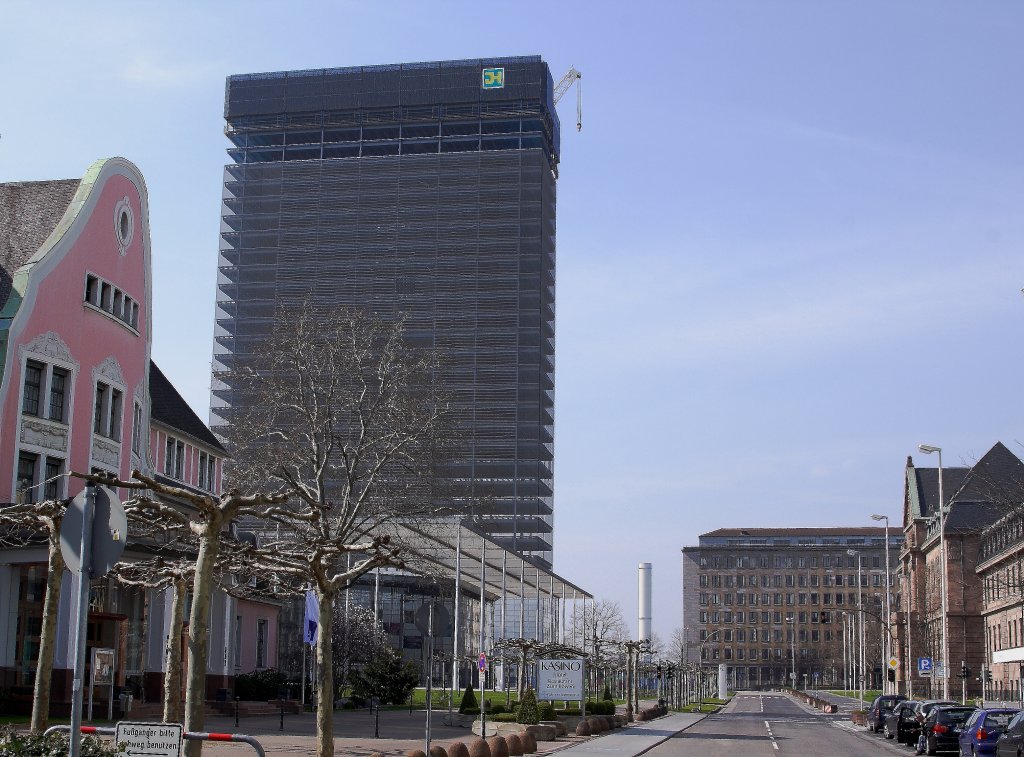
(887, 652)
(929, 449)
(792, 649)
(860, 611)
(846, 662)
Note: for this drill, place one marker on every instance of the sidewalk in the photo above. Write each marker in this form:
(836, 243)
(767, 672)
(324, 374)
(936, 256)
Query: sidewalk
(401, 732)
(636, 739)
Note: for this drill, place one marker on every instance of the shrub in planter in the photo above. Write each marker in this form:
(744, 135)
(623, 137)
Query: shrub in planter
(569, 712)
(468, 701)
(479, 748)
(495, 708)
(607, 696)
(503, 717)
(515, 745)
(527, 712)
(474, 711)
(499, 748)
(546, 711)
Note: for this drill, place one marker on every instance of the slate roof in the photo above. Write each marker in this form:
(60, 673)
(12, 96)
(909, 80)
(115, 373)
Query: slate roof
(29, 211)
(169, 408)
(977, 496)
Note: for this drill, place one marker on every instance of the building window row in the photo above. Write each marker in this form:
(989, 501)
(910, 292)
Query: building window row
(39, 477)
(207, 471)
(47, 389)
(111, 300)
(107, 412)
(174, 458)
(793, 562)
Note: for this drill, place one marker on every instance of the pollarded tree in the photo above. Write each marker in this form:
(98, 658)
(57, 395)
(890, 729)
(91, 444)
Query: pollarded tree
(337, 411)
(207, 518)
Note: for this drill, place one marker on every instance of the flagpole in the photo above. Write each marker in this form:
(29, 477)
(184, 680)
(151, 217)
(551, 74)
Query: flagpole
(303, 675)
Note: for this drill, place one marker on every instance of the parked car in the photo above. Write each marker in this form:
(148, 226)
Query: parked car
(922, 714)
(901, 724)
(943, 726)
(880, 709)
(983, 729)
(1011, 740)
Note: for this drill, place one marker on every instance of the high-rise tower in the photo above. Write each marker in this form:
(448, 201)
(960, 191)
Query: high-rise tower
(426, 189)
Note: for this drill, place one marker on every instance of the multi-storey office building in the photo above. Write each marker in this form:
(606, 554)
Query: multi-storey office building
(426, 190)
(755, 597)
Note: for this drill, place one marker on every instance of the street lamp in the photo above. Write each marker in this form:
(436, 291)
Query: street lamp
(860, 610)
(846, 660)
(792, 648)
(888, 651)
(929, 449)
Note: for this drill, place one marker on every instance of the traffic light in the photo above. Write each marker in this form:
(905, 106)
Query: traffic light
(965, 672)
(659, 672)
(988, 675)
(890, 674)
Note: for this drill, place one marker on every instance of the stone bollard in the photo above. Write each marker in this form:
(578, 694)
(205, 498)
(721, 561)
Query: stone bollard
(436, 750)
(499, 748)
(515, 745)
(529, 742)
(458, 749)
(479, 748)
(583, 728)
(415, 753)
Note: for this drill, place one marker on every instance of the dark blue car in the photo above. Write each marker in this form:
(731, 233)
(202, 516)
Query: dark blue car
(981, 731)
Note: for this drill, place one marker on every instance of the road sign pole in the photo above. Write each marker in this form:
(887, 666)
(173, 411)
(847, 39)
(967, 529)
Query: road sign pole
(81, 620)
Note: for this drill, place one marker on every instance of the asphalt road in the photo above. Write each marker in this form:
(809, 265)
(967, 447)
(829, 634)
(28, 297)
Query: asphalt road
(773, 725)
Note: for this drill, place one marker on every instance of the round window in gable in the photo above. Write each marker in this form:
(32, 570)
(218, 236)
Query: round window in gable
(124, 224)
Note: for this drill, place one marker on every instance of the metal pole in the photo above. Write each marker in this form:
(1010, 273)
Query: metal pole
(907, 618)
(846, 668)
(483, 673)
(887, 652)
(945, 597)
(456, 650)
(504, 608)
(430, 670)
(863, 658)
(81, 619)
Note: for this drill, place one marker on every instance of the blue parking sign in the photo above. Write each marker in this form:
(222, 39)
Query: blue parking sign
(924, 666)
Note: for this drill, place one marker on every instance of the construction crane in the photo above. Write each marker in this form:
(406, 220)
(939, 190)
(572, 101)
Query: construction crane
(571, 77)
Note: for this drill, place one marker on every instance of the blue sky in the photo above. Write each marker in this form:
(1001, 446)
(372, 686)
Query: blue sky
(789, 233)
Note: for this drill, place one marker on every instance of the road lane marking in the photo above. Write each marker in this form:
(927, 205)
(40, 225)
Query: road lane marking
(775, 744)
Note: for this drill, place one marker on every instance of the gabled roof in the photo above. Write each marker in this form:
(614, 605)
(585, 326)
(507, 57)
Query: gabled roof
(169, 408)
(976, 496)
(29, 212)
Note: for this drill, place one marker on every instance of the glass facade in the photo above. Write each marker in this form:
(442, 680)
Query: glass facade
(410, 189)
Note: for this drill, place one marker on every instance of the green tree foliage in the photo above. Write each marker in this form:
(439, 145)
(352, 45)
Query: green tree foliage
(385, 677)
(468, 700)
(607, 696)
(527, 712)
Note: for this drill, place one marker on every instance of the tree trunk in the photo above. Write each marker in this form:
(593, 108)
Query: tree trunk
(48, 633)
(325, 677)
(172, 670)
(198, 637)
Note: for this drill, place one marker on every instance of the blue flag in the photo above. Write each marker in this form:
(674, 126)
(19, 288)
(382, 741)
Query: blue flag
(312, 622)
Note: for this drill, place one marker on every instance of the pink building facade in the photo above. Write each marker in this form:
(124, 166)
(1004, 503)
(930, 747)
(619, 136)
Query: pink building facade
(78, 392)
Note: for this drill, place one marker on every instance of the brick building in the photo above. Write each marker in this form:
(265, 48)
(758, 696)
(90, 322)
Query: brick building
(976, 498)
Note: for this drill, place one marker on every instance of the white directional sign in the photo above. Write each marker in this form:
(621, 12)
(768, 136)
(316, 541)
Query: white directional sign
(148, 739)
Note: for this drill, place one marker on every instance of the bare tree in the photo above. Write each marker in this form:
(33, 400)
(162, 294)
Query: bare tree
(175, 574)
(207, 518)
(338, 412)
(23, 525)
(599, 625)
(677, 646)
(357, 637)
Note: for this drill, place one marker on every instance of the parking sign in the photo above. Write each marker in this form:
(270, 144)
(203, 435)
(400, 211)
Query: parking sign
(924, 666)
